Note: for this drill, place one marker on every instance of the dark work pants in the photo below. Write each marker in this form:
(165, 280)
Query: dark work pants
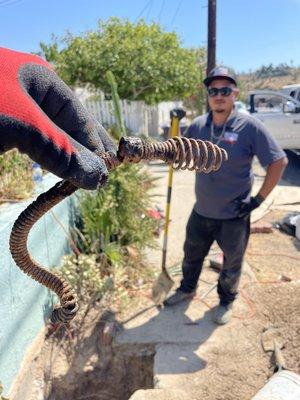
(231, 235)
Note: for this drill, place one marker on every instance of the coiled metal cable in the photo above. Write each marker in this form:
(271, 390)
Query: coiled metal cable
(181, 153)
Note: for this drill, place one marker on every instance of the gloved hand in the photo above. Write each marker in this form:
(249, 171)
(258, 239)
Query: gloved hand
(245, 208)
(178, 113)
(40, 115)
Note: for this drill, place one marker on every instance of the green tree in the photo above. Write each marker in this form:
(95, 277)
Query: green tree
(148, 63)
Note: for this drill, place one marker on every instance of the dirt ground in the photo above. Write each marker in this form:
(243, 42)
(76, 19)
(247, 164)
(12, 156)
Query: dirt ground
(275, 254)
(240, 367)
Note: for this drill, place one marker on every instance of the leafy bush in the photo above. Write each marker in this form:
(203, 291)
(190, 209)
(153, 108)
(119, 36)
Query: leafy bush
(270, 70)
(95, 280)
(118, 213)
(160, 68)
(85, 276)
(15, 176)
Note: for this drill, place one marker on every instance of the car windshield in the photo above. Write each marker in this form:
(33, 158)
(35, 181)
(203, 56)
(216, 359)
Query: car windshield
(239, 105)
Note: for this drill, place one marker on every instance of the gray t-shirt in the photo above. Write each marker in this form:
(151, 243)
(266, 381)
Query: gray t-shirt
(244, 137)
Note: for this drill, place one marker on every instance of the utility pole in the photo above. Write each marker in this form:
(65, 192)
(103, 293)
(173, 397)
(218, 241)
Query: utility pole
(211, 38)
(211, 35)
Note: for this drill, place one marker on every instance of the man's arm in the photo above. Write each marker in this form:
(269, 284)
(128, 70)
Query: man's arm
(265, 147)
(273, 175)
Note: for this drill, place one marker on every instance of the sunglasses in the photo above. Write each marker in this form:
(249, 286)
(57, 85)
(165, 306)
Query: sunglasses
(224, 91)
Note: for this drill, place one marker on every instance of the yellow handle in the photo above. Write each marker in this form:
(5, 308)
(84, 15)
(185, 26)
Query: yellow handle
(173, 132)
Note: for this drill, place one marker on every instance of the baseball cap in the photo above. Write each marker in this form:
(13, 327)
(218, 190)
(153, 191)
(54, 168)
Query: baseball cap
(220, 72)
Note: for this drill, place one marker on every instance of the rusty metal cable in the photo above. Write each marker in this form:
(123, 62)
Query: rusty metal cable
(181, 153)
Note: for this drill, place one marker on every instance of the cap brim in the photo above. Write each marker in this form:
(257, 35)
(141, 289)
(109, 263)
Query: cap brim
(207, 81)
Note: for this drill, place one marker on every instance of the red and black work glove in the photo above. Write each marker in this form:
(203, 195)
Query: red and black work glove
(40, 115)
(245, 208)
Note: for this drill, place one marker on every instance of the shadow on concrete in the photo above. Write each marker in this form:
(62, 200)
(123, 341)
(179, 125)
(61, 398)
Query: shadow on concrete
(176, 335)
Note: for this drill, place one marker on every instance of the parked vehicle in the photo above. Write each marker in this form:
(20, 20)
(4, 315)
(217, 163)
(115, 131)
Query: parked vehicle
(292, 90)
(280, 112)
(241, 107)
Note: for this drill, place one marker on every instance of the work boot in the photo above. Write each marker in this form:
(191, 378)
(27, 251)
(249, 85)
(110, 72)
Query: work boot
(222, 314)
(178, 297)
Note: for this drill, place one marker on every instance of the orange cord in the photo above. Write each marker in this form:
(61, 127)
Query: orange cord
(249, 253)
(249, 302)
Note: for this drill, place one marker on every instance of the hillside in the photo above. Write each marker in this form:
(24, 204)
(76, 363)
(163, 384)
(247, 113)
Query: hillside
(254, 81)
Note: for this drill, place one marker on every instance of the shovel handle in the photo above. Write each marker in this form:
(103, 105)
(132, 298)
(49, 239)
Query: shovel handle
(175, 115)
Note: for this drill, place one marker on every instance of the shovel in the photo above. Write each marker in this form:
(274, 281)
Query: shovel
(272, 341)
(164, 282)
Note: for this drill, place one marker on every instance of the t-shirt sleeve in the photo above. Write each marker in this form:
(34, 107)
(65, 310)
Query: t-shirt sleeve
(190, 131)
(265, 147)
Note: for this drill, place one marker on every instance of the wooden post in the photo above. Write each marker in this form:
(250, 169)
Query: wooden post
(211, 35)
(211, 38)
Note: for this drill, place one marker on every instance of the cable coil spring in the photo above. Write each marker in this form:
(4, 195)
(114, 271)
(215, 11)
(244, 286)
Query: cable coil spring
(180, 153)
(187, 153)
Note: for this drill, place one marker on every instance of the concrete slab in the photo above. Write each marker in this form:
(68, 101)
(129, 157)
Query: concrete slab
(188, 322)
(165, 394)
(188, 366)
(182, 201)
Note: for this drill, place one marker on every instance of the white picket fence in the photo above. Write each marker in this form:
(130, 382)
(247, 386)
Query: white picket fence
(135, 114)
(139, 118)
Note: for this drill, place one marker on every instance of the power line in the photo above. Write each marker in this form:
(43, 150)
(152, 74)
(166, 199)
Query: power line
(4, 3)
(176, 12)
(161, 10)
(145, 8)
(149, 10)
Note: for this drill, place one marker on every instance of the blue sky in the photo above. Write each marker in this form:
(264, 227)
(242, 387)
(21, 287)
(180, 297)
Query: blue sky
(249, 33)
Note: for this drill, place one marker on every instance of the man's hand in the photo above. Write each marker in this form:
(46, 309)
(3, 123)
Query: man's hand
(178, 113)
(246, 208)
(40, 116)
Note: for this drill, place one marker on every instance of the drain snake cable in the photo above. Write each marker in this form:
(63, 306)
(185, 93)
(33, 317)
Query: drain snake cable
(180, 153)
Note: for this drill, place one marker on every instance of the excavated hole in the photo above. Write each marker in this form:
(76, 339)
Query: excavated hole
(115, 374)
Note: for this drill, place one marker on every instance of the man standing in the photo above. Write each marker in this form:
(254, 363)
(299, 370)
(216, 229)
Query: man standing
(223, 203)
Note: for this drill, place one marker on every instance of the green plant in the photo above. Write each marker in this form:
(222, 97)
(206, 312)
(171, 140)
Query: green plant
(15, 176)
(101, 280)
(197, 102)
(117, 106)
(86, 276)
(112, 215)
(148, 63)
(91, 280)
(118, 213)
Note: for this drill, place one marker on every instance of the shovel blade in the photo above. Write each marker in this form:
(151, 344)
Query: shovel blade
(161, 287)
(269, 337)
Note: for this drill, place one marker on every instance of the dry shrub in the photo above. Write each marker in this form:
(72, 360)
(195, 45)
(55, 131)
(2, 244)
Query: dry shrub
(15, 176)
